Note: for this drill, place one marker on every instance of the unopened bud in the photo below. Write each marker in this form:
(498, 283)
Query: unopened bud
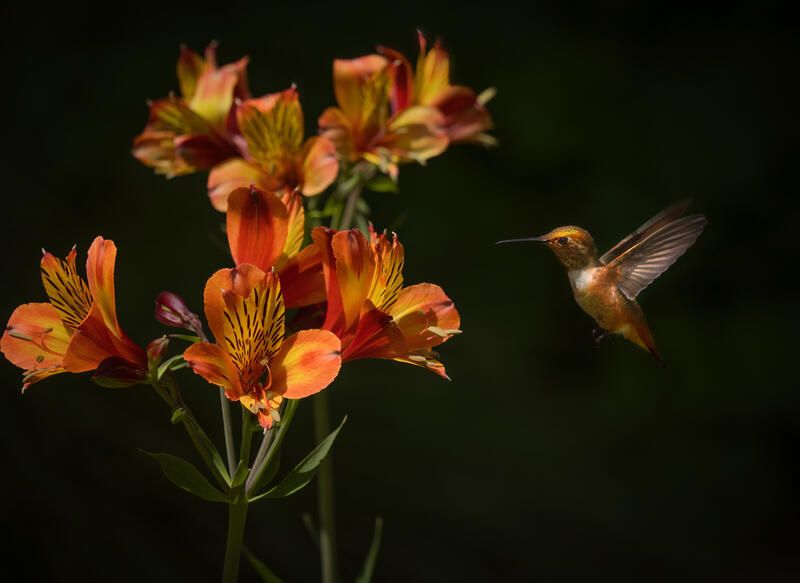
(155, 352)
(172, 311)
(116, 373)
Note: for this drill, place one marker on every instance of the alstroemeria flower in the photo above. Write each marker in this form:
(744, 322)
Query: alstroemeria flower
(275, 156)
(388, 115)
(267, 231)
(466, 118)
(192, 132)
(251, 360)
(77, 329)
(366, 126)
(370, 310)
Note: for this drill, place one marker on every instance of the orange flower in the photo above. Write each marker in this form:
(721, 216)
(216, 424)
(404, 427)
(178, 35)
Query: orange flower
(251, 360)
(275, 156)
(267, 231)
(370, 310)
(191, 132)
(78, 329)
(386, 115)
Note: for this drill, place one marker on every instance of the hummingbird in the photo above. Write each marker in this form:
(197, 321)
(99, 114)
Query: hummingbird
(606, 287)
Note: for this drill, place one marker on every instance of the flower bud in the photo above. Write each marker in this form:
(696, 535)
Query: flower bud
(115, 373)
(155, 351)
(172, 311)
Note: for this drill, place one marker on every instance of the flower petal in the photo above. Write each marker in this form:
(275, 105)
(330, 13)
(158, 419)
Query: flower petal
(67, 291)
(425, 316)
(213, 364)
(335, 127)
(258, 226)
(388, 278)
(190, 67)
(319, 166)
(354, 81)
(202, 152)
(466, 119)
(233, 174)
(417, 134)
(307, 362)
(375, 337)
(302, 279)
(433, 72)
(355, 269)
(295, 226)
(240, 280)
(402, 77)
(215, 91)
(100, 275)
(35, 339)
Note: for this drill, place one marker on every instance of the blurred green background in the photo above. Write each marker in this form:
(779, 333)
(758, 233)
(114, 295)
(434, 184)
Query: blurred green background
(546, 458)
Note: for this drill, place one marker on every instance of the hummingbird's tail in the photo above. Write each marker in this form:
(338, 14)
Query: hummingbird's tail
(640, 335)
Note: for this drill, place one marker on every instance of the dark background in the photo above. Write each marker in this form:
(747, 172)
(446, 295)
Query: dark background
(546, 458)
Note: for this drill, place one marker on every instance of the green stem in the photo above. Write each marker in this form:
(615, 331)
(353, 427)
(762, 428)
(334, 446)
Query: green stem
(225, 408)
(247, 437)
(237, 518)
(270, 446)
(325, 494)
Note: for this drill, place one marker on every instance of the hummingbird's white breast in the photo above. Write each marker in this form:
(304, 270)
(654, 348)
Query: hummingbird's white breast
(581, 279)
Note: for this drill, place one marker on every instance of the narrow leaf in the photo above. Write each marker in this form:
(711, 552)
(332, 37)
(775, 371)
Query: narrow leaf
(372, 555)
(267, 476)
(188, 337)
(261, 569)
(304, 472)
(240, 475)
(167, 365)
(382, 183)
(187, 477)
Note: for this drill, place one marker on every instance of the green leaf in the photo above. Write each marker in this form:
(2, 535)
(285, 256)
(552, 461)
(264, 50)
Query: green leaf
(188, 337)
(240, 474)
(167, 365)
(261, 569)
(372, 555)
(187, 477)
(304, 472)
(382, 183)
(267, 476)
(177, 415)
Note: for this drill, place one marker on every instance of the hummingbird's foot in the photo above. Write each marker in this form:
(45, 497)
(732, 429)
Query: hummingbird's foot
(598, 334)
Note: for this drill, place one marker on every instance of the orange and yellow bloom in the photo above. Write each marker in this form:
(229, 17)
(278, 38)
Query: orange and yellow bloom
(78, 328)
(274, 155)
(193, 132)
(370, 310)
(251, 360)
(387, 115)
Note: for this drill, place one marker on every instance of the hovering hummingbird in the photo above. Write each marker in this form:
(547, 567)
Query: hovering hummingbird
(606, 288)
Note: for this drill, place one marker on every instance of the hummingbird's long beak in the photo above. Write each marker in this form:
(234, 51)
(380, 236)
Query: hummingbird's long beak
(542, 239)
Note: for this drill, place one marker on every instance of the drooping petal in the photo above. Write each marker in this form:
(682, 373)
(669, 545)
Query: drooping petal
(258, 227)
(35, 340)
(417, 134)
(190, 67)
(318, 165)
(388, 278)
(100, 275)
(67, 291)
(307, 362)
(426, 359)
(355, 269)
(302, 279)
(233, 174)
(425, 316)
(213, 364)
(240, 280)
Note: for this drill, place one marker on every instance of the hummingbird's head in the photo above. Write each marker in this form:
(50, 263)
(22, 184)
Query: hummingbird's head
(573, 246)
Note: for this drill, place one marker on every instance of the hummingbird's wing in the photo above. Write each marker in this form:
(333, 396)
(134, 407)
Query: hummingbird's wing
(648, 252)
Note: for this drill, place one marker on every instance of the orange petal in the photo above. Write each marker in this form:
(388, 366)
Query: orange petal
(215, 91)
(233, 174)
(401, 92)
(202, 152)
(175, 115)
(156, 149)
(302, 279)
(334, 126)
(67, 291)
(417, 134)
(307, 362)
(100, 275)
(319, 166)
(35, 340)
(388, 278)
(296, 226)
(353, 81)
(334, 313)
(258, 226)
(374, 337)
(90, 344)
(466, 119)
(425, 316)
(213, 364)
(240, 280)
(433, 73)
(190, 67)
(355, 269)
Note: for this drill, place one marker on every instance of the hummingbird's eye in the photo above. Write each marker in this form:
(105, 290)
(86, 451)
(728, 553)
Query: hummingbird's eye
(562, 240)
